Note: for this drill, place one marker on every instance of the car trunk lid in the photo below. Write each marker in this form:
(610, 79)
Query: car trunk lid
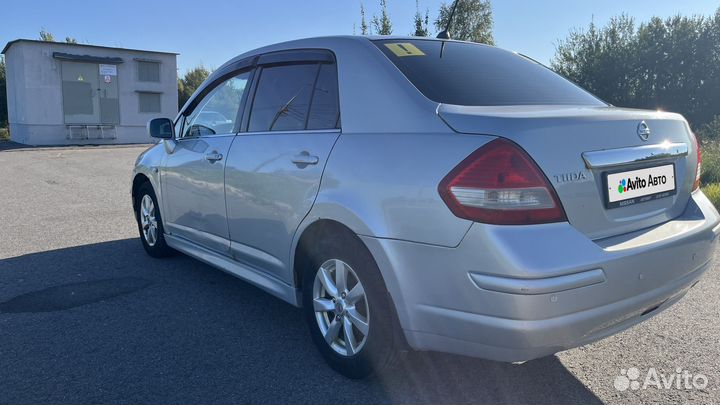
(578, 147)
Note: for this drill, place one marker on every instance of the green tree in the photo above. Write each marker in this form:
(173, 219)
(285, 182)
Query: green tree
(473, 21)
(190, 82)
(3, 95)
(601, 60)
(382, 24)
(46, 36)
(363, 21)
(671, 64)
(421, 24)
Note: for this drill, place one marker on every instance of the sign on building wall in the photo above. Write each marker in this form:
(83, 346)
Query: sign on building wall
(108, 70)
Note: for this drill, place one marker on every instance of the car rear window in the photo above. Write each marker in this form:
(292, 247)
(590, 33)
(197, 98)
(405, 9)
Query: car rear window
(478, 75)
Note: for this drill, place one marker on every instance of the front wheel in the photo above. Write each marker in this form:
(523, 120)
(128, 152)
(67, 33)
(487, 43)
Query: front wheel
(150, 223)
(348, 309)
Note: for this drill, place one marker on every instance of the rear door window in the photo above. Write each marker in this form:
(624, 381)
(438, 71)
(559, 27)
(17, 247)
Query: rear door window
(324, 110)
(479, 75)
(283, 97)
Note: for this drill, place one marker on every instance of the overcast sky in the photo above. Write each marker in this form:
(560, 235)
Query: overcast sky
(211, 32)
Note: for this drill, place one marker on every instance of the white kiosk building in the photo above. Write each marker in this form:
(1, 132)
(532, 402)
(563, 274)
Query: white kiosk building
(61, 93)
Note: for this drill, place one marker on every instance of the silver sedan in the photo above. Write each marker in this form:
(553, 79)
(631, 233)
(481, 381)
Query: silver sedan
(429, 195)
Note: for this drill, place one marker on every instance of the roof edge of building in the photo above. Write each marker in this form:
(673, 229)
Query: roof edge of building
(11, 43)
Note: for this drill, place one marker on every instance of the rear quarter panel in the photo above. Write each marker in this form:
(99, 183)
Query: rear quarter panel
(386, 185)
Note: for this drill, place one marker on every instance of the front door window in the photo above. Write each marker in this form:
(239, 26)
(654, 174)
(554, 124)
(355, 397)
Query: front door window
(217, 113)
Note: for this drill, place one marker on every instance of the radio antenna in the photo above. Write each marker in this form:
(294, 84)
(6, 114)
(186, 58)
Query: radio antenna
(445, 34)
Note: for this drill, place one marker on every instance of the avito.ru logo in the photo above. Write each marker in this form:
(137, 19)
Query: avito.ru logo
(621, 187)
(680, 380)
(630, 184)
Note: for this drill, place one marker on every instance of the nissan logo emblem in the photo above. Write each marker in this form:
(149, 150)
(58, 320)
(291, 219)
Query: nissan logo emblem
(643, 130)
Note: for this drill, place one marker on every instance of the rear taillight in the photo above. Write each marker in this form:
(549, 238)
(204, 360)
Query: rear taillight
(500, 184)
(698, 167)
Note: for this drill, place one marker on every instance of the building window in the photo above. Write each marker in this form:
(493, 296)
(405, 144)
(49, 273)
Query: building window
(148, 71)
(149, 102)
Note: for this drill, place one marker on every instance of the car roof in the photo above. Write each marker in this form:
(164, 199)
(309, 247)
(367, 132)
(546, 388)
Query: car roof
(364, 73)
(328, 42)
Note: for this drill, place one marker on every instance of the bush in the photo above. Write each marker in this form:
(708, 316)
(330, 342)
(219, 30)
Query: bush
(712, 191)
(709, 136)
(4, 134)
(710, 162)
(711, 131)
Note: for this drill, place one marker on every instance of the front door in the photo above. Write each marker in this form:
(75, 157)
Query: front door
(274, 170)
(193, 175)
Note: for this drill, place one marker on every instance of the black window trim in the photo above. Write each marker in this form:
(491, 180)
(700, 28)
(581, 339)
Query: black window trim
(218, 77)
(296, 56)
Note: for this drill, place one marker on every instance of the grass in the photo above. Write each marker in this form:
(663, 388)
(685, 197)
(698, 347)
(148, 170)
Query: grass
(4, 134)
(710, 178)
(712, 191)
(709, 135)
(710, 162)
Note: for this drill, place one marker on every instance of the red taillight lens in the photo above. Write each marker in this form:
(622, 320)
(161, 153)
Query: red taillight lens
(500, 184)
(698, 167)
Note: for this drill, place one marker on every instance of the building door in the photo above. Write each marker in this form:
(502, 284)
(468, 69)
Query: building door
(108, 99)
(90, 97)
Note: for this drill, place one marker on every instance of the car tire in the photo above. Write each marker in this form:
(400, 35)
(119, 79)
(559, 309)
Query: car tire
(372, 351)
(147, 213)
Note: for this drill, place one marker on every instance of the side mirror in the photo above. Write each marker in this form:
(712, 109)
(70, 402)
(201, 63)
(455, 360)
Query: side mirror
(162, 128)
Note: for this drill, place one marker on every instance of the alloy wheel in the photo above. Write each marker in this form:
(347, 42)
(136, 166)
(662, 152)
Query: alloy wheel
(341, 307)
(148, 220)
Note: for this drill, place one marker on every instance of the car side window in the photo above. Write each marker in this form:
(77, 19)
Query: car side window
(283, 96)
(324, 108)
(218, 110)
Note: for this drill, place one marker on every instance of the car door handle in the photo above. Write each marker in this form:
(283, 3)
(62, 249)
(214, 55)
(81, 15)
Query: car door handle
(213, 157)
(304, 159)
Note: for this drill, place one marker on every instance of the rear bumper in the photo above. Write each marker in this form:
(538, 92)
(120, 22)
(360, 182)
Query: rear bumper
(522, 292)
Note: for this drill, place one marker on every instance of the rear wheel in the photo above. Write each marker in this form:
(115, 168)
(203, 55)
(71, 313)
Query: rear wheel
(347, 308)
(150, 223)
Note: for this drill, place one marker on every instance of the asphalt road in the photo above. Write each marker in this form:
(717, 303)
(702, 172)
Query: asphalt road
(87, 317)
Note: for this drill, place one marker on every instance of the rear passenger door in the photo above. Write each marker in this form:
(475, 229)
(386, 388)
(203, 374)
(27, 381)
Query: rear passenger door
(275, 164)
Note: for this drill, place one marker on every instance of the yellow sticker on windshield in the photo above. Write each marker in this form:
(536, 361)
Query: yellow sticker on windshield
(405, 49)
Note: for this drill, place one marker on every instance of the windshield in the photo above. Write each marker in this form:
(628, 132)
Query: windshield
(478, 75)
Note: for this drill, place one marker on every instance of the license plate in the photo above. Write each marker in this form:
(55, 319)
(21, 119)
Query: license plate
(636, 186)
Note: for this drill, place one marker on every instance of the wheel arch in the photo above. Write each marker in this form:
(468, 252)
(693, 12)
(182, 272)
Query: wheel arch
(327, 217)
(313, 232)
(321, 228)
(138, 180)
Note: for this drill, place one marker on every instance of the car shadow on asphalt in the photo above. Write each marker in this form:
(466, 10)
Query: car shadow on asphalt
(105, 323)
